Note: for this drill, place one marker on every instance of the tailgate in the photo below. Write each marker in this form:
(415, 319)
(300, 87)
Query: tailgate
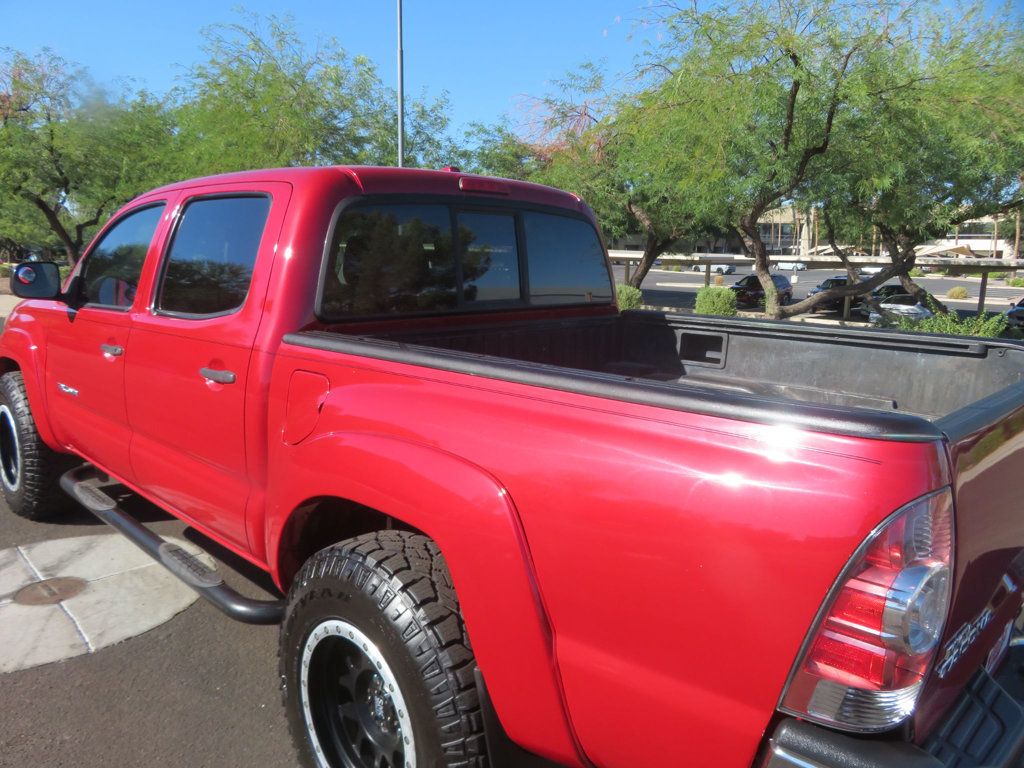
(986, 444)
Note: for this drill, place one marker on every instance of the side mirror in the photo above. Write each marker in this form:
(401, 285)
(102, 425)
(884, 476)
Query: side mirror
(36, 280)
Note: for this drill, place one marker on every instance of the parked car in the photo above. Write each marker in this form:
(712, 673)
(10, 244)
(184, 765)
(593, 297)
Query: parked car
(902, 304)
(749, 292)
(722, 269)
(510, 524)
(794, 266)
(829, 305)
(1015, 314)
(880, 294)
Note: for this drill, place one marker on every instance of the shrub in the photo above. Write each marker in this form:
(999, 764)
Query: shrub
(716, 300)
(956, 292)
(997, 275)
(628, 297)
(950, 323)
(1016, 282)
(917, 272)
(5, 270)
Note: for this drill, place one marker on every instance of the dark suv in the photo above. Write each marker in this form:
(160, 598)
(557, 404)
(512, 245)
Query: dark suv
(749, 292)
(834, 304)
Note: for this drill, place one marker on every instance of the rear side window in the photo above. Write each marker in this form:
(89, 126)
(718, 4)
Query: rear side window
(390, 259)
(566, 262)
(110, 273)
(209, 265)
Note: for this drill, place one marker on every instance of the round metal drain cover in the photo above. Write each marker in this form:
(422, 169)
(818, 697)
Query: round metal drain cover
(50, 591)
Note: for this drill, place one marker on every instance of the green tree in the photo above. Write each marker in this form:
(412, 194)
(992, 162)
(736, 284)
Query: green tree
(777, 98)
(942, 145)
(264, 98)
(619, 152)
(495, 150)
(70, 153)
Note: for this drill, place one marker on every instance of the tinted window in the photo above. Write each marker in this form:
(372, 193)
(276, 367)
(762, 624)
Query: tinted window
(110, 273)
(387, 259)
(749, 281)
(209, 265)
(490, 257)
(902, 299)
(781, 282)
(565, 261)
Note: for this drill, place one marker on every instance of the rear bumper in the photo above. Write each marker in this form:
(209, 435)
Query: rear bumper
(985, 729)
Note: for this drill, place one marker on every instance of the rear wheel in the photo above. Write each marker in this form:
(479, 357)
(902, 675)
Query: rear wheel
(29, 470)
(375, 660)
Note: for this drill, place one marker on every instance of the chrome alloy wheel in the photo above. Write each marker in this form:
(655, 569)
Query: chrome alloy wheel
(10, 451)
(355, 714)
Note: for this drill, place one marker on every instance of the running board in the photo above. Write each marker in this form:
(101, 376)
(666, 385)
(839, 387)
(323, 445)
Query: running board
(82, 484)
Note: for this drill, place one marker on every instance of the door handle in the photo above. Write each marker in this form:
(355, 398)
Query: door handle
(112, 349)
(221, 377)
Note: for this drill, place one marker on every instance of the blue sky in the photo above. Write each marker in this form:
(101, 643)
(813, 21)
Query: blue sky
(486, 54)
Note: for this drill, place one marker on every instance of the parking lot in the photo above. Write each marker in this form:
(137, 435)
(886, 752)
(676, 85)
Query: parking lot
(200, 690)
(666, 288)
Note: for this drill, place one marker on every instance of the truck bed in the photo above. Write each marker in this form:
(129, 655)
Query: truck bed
(883, 382)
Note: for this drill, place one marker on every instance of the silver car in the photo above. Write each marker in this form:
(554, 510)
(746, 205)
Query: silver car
(722, 269)
(902, 304)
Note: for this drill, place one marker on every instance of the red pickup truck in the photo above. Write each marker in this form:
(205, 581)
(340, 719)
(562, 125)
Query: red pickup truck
(514, 525)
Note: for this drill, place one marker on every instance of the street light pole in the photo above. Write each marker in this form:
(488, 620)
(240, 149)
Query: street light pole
(401, 93)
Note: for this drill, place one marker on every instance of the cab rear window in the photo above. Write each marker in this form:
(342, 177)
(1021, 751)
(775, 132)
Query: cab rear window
(421, 258)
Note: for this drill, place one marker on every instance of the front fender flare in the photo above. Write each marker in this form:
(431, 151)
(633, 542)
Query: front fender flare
(472, 519)
(18, 346)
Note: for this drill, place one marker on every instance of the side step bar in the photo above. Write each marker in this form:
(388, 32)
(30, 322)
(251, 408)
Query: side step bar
(83, 485)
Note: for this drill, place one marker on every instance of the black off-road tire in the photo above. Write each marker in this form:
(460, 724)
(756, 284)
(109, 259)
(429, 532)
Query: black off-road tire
(29, 470)
(386, 598)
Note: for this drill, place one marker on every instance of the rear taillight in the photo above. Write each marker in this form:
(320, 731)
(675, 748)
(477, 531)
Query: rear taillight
(874, 640)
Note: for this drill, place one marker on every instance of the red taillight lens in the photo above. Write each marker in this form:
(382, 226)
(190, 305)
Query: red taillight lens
(867, 654)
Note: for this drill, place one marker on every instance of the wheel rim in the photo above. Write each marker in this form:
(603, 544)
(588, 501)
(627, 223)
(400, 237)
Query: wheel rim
(10, 450)
(355, 713)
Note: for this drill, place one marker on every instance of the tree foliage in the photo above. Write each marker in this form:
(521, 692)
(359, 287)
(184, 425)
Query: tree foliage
(496, 150)
(70, 153)
(902, 117)
(263, 98)
(619, 152)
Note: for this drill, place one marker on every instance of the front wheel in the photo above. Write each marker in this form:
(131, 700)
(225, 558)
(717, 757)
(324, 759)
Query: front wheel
(29, 470)
(375, 661)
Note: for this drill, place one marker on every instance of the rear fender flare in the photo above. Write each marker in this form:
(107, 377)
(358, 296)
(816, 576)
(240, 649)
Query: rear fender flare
(474, 521)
